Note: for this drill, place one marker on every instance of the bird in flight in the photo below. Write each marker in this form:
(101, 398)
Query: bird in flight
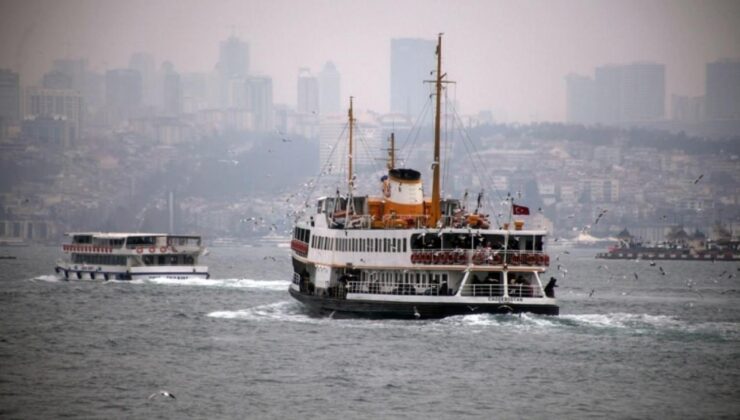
(696, 181)
(601, 214)
(163, 393)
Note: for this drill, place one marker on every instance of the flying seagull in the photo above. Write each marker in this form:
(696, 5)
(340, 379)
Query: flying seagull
(696, 181)
(601, 214)
(163, 393)
(417, 315)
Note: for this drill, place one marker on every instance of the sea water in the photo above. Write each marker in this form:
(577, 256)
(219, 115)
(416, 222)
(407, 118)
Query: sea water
(630, 342)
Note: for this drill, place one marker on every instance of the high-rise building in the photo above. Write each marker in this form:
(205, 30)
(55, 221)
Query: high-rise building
(617, 94)
(9, 95)
(259, 102)
(687, 109)
(643, 92)
(171, 90)
(51, 131)
(59, 104)
(308, 92)
(57, 80)
(74, 69)
(723, 90)
(146, 66)
(329, 90)
(233, 67)
(412, 60)
(123, 92)
(580, 95)
(234, 58)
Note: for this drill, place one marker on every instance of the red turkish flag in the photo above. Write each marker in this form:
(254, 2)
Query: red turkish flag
(520, 210)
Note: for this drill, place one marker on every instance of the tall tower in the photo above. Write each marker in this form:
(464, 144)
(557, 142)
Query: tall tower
(412, 60)
(329, 90)
(643, 92)
(171, 90)
(123, 92)
(144, 63)
(308, 92)
(233, 67)
(10, 95)
(580, 99)
(259, 102)
(60, 104)
(723, 90)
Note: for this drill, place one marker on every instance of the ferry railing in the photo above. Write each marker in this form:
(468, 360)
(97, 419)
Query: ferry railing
(491, 290)
(398, 288)
(486, 256)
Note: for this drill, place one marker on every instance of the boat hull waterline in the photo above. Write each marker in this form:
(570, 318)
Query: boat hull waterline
(441, 308)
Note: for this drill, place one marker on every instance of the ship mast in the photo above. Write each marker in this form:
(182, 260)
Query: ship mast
(351, 119)
(434, 214)
(391, 163)
(350, 182)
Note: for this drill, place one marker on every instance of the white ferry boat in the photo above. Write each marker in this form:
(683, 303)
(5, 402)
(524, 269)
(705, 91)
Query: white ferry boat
(131, 256)
(403, 255)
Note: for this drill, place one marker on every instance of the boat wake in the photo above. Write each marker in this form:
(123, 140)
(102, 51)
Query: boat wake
(619, 323)
(279, 311)
(280, 285)
(50, 278)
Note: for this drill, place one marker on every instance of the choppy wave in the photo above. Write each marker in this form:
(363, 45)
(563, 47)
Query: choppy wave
(280, 285)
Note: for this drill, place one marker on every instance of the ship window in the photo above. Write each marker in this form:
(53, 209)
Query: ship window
(148, 260)
(385, 244)
(161, 260)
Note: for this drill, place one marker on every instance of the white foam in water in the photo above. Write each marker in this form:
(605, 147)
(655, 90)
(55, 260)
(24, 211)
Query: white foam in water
(624, 320)
(280, 285)
(279, 311)
(49, 278)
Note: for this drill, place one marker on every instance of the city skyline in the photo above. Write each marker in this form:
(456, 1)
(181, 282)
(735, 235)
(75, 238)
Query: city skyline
(508, 58)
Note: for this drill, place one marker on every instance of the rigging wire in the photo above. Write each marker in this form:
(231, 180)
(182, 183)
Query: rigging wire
(327, 165)
(416, 127)
(367, 149)
(474, 153)
(448, 138)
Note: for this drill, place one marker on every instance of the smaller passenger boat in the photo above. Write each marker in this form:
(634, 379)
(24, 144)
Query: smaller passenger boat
(131, 256)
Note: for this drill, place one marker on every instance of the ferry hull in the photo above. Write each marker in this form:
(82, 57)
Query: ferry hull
(414, 310)
(110, 273)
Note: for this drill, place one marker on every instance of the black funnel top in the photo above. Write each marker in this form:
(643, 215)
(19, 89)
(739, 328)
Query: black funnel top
(405, 174)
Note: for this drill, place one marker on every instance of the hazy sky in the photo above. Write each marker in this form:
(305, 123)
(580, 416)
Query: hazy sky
(508, 56)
